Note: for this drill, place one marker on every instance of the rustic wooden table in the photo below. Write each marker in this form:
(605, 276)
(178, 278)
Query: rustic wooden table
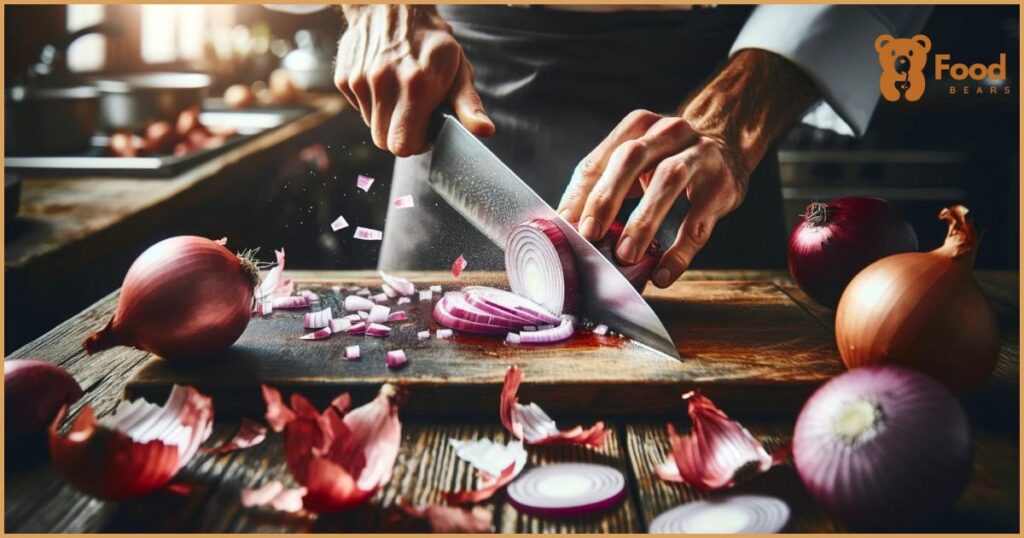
(37, 500)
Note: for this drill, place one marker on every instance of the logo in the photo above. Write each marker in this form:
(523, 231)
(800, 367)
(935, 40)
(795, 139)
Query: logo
(903, 62)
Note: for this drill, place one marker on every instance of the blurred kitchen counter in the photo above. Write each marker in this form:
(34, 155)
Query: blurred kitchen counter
(74, 236)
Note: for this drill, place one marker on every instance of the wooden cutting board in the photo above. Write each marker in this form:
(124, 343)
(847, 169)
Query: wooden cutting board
(746, 344)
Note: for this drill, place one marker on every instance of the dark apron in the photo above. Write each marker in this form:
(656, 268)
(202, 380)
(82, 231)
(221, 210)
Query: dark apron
(555, 83)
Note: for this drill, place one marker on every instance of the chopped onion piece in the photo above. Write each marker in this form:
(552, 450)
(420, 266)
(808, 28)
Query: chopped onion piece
(378, 314)
(402, 202)
(736, 514)
(353, 317)
(458, 265)
(443, 333)
(423, 335)
(317, 320)
(363, 292)
(404, 300)
(368, 234)
(354, 303)
(364, 182)
(375, 329)
(351, 353)
(363, 315)
(513, 338)
(264, 307)
(426, 295)
(401, 285)
(568, 489)
(289, 302)
(389, 291)
(398, 316)
(339, 325)
(339, 223)
(549, 334)
(357, 328)
(601, 329)
(380, 298)
(396, 359)
(435, 288)
(319, 334)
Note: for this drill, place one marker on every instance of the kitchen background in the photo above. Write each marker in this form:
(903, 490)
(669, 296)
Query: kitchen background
(274, 162)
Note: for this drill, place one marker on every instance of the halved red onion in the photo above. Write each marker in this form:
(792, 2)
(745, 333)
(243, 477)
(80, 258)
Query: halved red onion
(134, 451)
(378, 330)
(734, 514)
(531, 424)
(250, 433)
(401, 285)
(552, 334)
(458, 265)
(396, 359)
(568, 489)
(541, 265)
(498, 301)
(351, 353)
(496, 464)
(355, 303)
(378, 314)
(718, 453)
(319, 334)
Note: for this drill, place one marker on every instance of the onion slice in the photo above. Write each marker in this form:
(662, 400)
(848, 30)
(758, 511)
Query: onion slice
(443, 316)
(735, 514)
(718, 453)
(134, 451)
(541, 265)
(496, 300)
(531, 424)
(550, 335)
(250, 433)
(568, 489)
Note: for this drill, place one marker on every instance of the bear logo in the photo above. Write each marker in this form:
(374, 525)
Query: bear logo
(902, 63)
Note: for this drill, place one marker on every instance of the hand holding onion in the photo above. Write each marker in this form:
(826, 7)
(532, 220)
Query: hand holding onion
(923, 310)
(185, 296)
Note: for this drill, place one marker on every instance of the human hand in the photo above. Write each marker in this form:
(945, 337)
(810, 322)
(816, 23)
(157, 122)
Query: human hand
(396, 64)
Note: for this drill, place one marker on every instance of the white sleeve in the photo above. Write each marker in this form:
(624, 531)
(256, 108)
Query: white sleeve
(834, 45)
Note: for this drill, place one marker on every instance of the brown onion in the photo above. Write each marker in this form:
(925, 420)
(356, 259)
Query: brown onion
(923, 310)
(34, 392)
(185, 296)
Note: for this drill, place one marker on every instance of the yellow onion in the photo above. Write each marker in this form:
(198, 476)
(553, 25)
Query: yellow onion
(923, 310)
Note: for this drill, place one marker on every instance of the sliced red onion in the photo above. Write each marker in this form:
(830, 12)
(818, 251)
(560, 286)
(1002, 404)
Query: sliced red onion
(398, 316)
(317, 320)
(541, 265)
(377, 330)
(355, 303)
(284, 303)
(351, 353)
(458, 265)
(378, 314)
(339, 325)
(364, 182)
(357, 328)
(441, 334)
(339, 223)
(426, 295)
(567, 489)
(319, 334)
(553, 334)
(546, 327)
(494, 299)
(423, 335)
(513, 338)
(380, 298)
(446, 318)
(396, 359)
(368, 234)
(363, 292)
(601, 329)
(389, 291)
(402, 202)
(401, 285)
(455, 304)
(404, 300)
(734, 514)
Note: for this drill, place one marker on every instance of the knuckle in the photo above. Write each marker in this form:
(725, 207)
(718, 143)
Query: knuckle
(379, 76)
(698, 231)
(632, 152)
(589, 168)
(641, 114)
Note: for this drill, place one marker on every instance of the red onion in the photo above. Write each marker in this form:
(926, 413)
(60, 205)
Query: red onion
(923, 310)
(567, 489)
(34, 392)
(834, 240)
(734, 514)
(541, 265)
(185, 296)
(639, 273)
(883, 447)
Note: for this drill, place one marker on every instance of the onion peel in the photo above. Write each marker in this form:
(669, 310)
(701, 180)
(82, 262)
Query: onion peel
(531, 424)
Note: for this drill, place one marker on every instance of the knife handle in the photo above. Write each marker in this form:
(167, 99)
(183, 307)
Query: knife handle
(437, 121)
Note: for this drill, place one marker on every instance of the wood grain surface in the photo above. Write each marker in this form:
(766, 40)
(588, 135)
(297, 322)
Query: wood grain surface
(37, 500)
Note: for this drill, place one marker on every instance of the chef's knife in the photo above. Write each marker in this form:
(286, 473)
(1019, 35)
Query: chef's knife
(493, 198)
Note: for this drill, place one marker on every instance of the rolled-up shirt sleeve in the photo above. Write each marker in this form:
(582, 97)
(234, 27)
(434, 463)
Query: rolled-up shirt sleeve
(835, 46)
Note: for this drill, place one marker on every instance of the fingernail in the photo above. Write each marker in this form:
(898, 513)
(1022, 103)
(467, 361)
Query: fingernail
(663, 278)
(627, 249)
(482, 115)
(588, 228)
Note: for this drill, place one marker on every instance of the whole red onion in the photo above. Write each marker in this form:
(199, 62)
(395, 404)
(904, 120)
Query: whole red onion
(185, 296)
(883, 447)
(834, 240)
(34, 392)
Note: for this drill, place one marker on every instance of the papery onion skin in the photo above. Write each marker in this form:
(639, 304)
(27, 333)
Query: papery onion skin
(34, 392)
(923, 310)
(906, 467)
(183, 297)
(833, 241)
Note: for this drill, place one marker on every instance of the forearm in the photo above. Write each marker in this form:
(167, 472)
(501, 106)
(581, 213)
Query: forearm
(756, 97)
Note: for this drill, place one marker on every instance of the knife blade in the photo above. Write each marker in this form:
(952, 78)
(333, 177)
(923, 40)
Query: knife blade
(494, 199)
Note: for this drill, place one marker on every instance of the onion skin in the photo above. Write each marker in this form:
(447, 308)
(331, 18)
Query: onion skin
(638, 274)
(183, 297)
(34, 392)
(923, 310)
(906, 467)
(834, 241)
